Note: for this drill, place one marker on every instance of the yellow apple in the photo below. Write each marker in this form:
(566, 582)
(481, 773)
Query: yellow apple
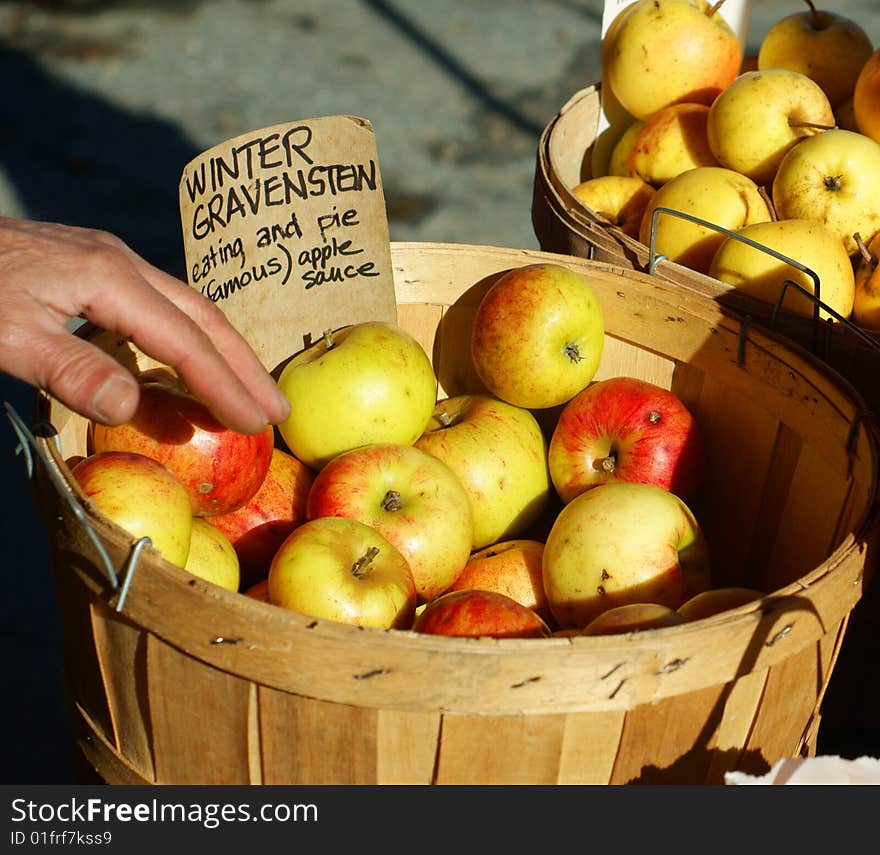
(632, 617)
(664, 52)
(717, 600)
(622, 543)
(833, 178)
(620, 199)
(755, 121)
(619, 158)
(538, 335)
(809, 242)
(866, 98)
(211, 556)
(670, 142)
(866, 305)
(142, 496)
(367, 382)
(716, 195)
(826, 46)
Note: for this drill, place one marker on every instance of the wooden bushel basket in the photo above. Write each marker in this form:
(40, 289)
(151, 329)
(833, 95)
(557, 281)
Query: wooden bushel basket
(565, 225)
(173, 680)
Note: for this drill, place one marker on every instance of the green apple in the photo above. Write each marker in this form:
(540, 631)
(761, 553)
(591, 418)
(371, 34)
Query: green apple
(662, 52)
(833, 178)
(142, 496)
(211, 556)
(622, 543)
(755, 121)
(365, 383)
(411, 497)
(808, 242)
(344, 570)
(716, 195)
(538, 335)
(826, 46)
(499, 454)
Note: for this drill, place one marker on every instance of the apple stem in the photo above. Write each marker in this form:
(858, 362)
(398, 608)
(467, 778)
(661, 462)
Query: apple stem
(328, 338)
(358, 569)
(817, 125)
(814, 15)
(392, 502)
(605, 464)
(863, 250)
(572, 352)
(444, 418)
(762, 192)
(710, 12)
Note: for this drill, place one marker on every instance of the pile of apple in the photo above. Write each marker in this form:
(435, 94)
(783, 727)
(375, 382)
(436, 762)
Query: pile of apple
(782, 148)
(548, 503)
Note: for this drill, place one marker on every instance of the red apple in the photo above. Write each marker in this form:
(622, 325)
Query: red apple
(343, 570)
(512, 568)
(141, 496)
(474, 613)
(259, 527)
(411, 497)
(220, 468)
(626, 429)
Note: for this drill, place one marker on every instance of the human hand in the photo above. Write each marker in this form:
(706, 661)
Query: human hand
(50, 273)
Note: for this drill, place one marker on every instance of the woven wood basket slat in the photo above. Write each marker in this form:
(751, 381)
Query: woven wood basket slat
(189, 683)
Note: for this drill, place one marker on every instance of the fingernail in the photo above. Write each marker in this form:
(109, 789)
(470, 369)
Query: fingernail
(283, 406)
(115, 398)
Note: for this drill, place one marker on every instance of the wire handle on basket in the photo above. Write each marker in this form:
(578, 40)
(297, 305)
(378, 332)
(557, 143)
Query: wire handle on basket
(814, 296)
(30, 448)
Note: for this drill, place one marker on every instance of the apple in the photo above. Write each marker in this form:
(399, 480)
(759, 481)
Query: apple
(365, 383)
(761, 116)
(411, 497)
(826, 46)
(626, 429)
(671, 141)
(258, 527)
(632, 617)
(866, 301)
(512, 568)
(845, 115)
(833, 178)
(810, 243)
(140, 495)
(475, 613)
(220, 468)
(258, 591)
(717, 600)
(618, 159)
(716, 195)
(620, 199)
(344, 570)
(866, 98)
(663, 52)
(211, 556)
(537, 335)
(499, 454)
(622, 543)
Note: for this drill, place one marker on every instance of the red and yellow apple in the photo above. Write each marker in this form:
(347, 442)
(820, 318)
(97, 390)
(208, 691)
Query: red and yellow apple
(499, 454)
(826, 46)
(365, 383)
(664, 52)
(409, 496)
(211, 556)
(538, 335)
(632, 617)
(344, 570)
(220, 468)
(761, 116)
(866, 98)
(622, 543)
(258, 527)
(475, 613)
(142, 496)
(512, 568)
(626, 429)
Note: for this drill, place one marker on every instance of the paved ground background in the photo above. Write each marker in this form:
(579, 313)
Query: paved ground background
(105, 102)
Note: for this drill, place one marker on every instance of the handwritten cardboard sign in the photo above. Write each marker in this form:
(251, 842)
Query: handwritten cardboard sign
(285, 229)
